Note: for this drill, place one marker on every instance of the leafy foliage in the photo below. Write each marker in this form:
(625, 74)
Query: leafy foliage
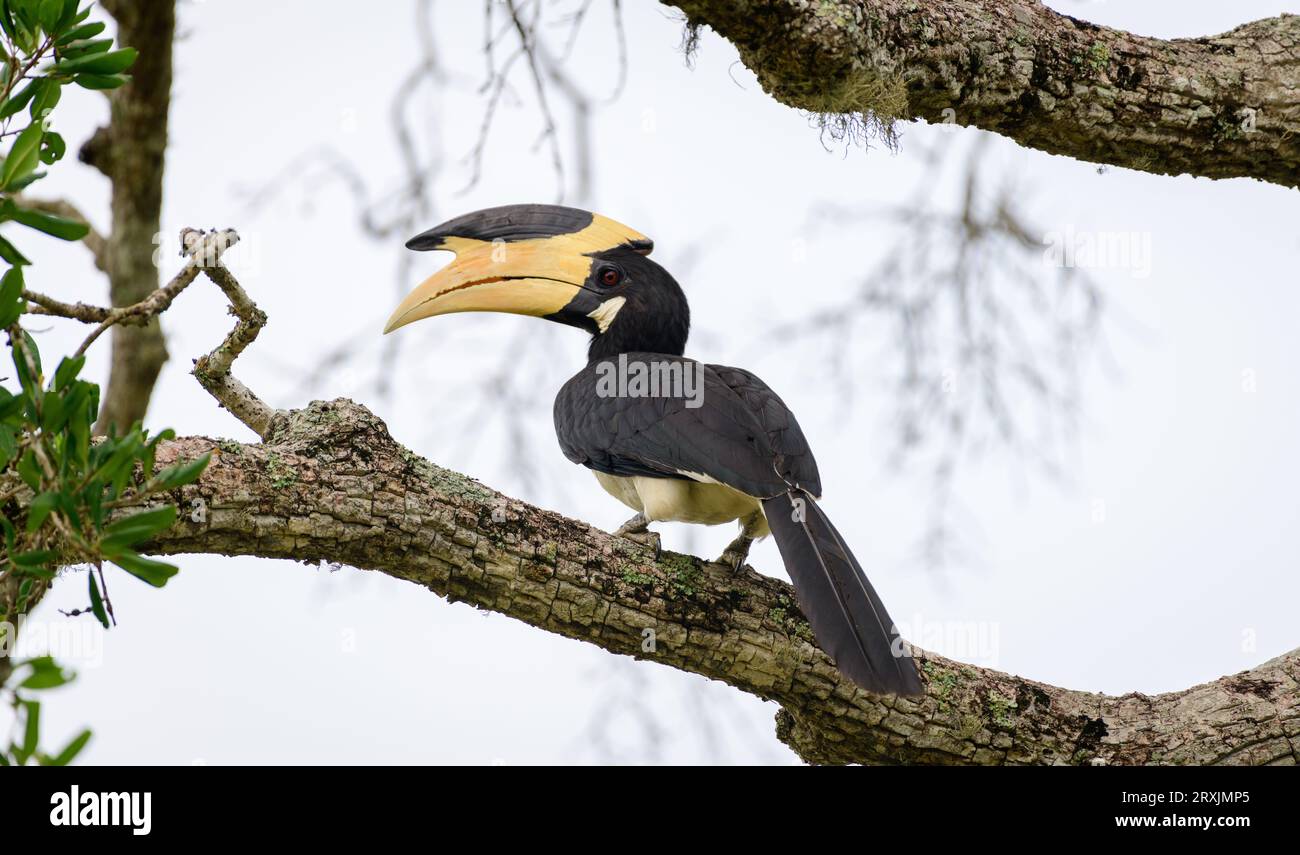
(67, 497)
(47, 45)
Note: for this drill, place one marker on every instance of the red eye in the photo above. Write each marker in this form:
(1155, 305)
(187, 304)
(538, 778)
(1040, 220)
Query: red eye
(609, 277)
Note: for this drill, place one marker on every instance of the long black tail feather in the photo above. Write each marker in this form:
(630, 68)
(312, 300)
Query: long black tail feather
(848, 619)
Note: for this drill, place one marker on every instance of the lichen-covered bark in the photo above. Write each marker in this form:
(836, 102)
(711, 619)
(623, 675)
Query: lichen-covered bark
(1220, 106)
(330, 484)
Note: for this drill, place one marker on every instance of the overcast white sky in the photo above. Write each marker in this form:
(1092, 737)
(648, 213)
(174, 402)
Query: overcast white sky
(1189, 574)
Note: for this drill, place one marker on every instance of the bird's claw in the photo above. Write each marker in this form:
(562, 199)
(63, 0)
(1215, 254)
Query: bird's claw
(735, 554)
(648, 539)
(637, 531)
(636, 525)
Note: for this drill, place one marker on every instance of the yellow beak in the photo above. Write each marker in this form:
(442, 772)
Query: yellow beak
(524, 278)
(536, 276)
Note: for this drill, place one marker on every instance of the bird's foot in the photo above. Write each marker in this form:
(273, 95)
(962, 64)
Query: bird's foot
(637, 530)
(736, 552)
(636, 525)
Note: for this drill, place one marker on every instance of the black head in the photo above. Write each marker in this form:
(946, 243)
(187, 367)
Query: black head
(563, 264)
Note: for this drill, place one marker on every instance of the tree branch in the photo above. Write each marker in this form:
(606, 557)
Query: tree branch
(331, 484)
(1221, 107)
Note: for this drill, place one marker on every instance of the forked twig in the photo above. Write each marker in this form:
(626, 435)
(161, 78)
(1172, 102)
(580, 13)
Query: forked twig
(203, 251)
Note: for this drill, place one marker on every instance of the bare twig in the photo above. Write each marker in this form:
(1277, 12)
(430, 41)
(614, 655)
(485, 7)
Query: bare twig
(137, 314)
(204, 251)
(213, 370)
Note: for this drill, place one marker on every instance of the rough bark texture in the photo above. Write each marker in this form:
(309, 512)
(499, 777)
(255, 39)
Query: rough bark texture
(330, 484)
(130, 151)
(1221, 106)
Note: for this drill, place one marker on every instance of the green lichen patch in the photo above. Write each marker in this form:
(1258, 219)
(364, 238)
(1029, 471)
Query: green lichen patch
(450, 483)
(1098, 57)
(1001, 710)
(637, 578)
(547, 552)
(785, 616)
(282, 473)
(684, 574)
(945, 683)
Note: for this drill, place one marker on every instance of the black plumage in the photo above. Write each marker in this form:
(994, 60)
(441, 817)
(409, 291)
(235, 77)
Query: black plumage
(846, 614)
(742, 435)
(733, 452)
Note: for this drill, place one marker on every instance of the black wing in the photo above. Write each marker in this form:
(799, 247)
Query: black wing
(741, 434)
(797, 464)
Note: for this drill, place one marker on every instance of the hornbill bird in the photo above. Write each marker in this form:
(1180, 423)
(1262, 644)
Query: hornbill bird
(729, 450)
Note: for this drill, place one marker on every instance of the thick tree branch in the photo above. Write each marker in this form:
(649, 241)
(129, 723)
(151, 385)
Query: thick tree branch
(331, 484)
(1220, 107)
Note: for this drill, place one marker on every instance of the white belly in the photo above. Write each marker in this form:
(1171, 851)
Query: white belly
(677, 500)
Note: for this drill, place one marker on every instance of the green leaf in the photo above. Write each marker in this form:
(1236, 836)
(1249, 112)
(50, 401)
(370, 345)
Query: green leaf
(68, 18)
(46, 674)
(113, 62)
(179, 474)
(156, 573)
(49, 13)
(53, 414)
(151, 450)
(47, 96)
(53, 148)
(101, 81)
(10, 253)
(32, 730)
(7, 20)
(67, 371)
(10, 404)
(30, 344)
(19, 184)
(40, 509)
(76, 50)
(18, 101)
(35, 558)
(119, 467)
(85, 31)
(97, 601)
(24, 155)
(30, 470)
(11, 296)
(8, 444)
(70, 752)
(60, 227)
(133, 529)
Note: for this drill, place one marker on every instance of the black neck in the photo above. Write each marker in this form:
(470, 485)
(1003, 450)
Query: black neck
(638, 327)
